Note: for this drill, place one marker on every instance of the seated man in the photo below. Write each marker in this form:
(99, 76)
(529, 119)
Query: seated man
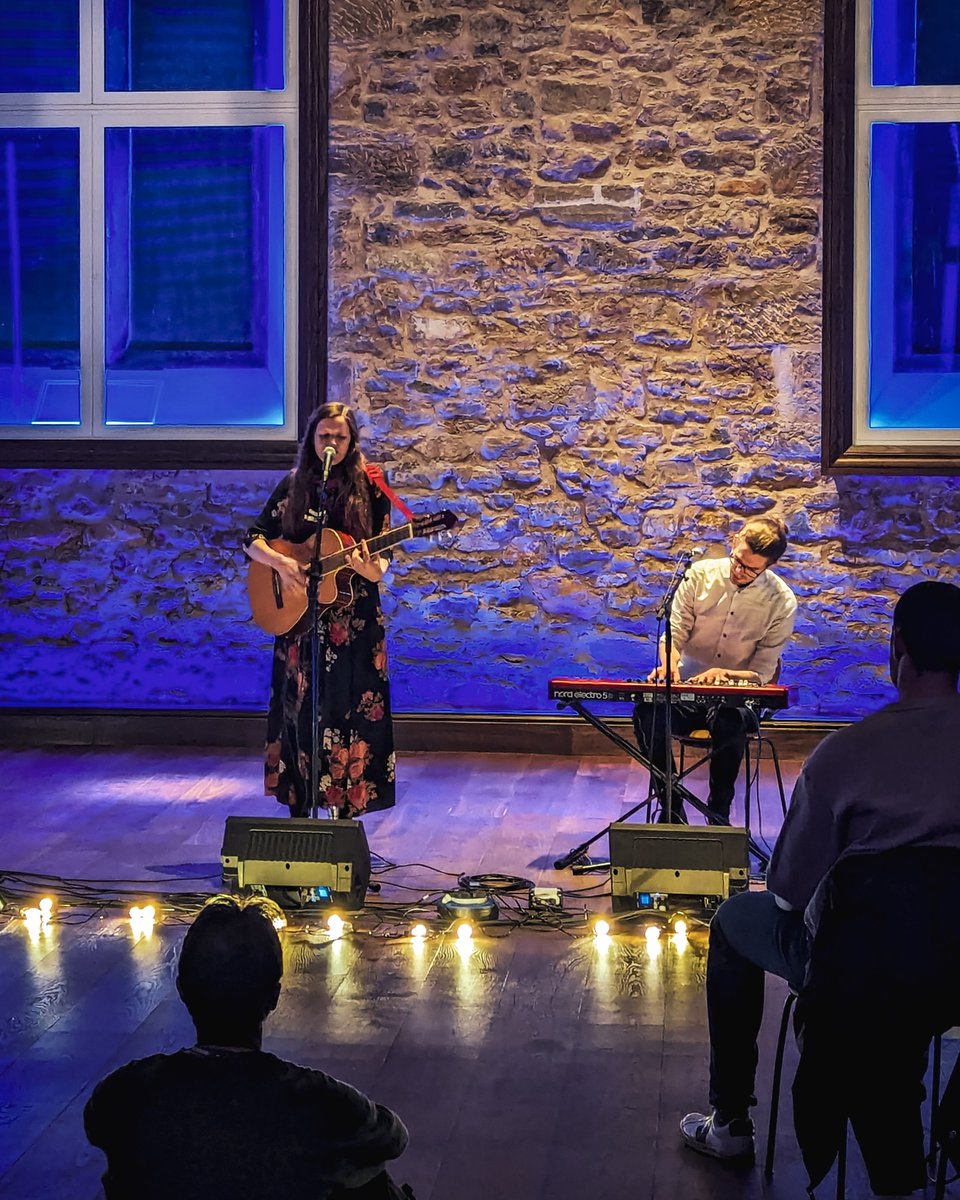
(223, 1119)
(730, 620)
(887, 782)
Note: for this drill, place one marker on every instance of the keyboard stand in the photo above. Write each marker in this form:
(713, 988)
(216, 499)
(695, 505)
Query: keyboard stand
(579, 853)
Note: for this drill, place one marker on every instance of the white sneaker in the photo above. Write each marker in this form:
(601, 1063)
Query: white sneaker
(701, 1132)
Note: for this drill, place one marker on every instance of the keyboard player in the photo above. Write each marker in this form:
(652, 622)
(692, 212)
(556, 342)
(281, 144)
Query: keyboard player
(731, 619)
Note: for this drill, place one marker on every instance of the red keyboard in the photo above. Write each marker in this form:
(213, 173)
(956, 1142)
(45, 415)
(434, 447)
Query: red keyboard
(770, 695)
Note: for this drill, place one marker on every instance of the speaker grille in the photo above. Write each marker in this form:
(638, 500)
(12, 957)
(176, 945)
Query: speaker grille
(293, 845)
(663, 853)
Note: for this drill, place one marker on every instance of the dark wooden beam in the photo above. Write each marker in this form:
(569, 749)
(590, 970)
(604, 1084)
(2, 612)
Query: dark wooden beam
(313, 196)
(839, 452)
(558, 734)
(145, 453)
(839, 129)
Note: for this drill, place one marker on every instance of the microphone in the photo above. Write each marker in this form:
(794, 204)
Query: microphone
(329, 453)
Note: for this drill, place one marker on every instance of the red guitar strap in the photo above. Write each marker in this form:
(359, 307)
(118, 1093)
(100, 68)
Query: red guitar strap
(375, 475)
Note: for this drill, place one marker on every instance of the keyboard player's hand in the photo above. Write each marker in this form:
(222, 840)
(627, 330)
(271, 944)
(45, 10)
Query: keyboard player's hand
(659, 675)
(714, 677)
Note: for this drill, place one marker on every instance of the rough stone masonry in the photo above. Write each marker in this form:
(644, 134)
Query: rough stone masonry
(576, 298)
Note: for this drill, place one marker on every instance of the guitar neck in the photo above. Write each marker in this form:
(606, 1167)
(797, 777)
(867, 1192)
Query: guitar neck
(383, 541)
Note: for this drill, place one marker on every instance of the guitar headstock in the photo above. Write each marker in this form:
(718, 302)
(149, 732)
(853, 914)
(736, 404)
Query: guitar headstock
(433, 523)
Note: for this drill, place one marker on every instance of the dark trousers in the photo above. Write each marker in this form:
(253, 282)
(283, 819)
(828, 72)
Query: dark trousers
(727, 726)
(749, 935)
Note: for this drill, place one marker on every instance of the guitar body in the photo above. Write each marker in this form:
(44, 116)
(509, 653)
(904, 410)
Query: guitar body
(277, 608)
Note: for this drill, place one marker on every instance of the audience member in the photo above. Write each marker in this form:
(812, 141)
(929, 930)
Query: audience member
(224, 1120)
(887, 782)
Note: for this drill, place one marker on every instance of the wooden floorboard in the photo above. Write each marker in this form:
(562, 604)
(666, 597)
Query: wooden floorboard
(532, 1064)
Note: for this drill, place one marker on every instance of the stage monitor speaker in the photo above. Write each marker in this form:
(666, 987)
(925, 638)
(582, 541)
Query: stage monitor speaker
(299, 852)
(706, 862)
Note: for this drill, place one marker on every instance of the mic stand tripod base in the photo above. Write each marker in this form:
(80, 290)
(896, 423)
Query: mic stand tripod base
(587, 866)
(576, 855)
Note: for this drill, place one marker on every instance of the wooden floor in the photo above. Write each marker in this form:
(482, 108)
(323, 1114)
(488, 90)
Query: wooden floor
(534, 1064)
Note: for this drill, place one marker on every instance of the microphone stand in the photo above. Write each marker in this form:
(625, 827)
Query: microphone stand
(663, 613)
(665, 773)
(316, 635)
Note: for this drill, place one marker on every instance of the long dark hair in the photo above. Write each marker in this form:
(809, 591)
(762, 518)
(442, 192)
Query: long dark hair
(348, 478)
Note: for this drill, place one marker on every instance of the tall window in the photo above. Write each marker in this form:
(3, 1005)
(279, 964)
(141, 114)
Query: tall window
(893, 204)
(148, 220)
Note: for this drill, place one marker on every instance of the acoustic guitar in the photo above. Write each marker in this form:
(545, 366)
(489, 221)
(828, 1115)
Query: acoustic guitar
(277, 607)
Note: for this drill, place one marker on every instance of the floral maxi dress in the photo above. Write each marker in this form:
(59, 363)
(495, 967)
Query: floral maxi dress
(357, 764)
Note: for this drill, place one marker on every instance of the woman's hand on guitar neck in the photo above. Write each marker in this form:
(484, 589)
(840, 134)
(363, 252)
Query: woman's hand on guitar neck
(370, 566)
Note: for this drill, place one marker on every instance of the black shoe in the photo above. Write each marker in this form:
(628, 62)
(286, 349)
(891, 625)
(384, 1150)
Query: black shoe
(718, 811)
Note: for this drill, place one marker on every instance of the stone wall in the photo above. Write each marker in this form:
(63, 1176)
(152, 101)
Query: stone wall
(576, 298)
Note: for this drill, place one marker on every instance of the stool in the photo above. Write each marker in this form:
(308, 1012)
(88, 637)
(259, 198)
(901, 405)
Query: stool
(697, 738)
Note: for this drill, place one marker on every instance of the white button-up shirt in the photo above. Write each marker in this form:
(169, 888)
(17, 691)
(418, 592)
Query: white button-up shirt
(714, 623)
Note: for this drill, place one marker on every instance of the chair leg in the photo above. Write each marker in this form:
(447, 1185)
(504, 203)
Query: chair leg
(776, 766)
(941, 1189)
(934, 1100)
(842, 1165)
(777, 1078)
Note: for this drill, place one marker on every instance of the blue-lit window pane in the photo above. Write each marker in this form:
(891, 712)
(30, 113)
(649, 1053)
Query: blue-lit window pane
(915, 276)
(39, 276)
(40, 46)
(916, 42)
(180, 45)
(194, 276)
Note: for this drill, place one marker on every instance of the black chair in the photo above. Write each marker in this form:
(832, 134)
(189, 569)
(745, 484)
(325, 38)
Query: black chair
(699, 740)
(883, 982)
(944, 1130)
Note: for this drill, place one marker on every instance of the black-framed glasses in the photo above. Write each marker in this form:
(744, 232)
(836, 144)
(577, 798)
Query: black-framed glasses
(751, 572)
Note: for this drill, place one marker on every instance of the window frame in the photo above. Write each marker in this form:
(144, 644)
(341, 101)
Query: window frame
(306, 282)
(850, 105)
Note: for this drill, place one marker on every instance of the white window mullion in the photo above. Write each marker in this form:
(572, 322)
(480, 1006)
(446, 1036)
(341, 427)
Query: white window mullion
(95, 273)
(91, 20)
(98, 50)
(93, 225)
